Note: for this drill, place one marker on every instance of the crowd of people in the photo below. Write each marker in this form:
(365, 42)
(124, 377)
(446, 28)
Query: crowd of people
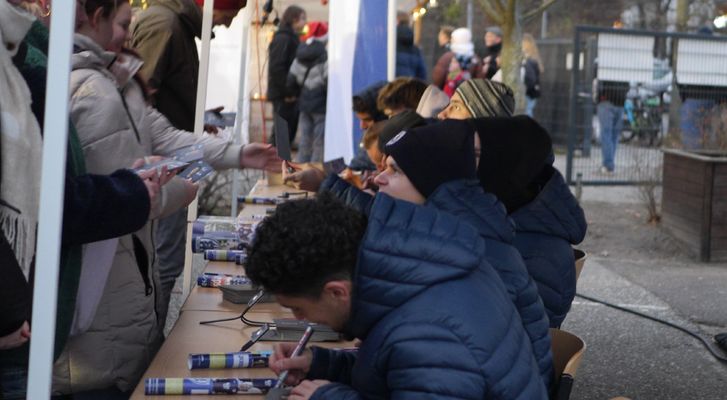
(128, 107)
(444, 247)
(459, 233)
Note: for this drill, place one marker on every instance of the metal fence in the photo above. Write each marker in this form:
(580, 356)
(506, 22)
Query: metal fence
(632, 92)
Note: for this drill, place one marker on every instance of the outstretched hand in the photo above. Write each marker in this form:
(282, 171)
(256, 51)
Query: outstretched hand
(309, 179)
(260, 156)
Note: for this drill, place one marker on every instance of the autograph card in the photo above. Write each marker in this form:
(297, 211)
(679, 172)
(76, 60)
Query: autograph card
(196, 171)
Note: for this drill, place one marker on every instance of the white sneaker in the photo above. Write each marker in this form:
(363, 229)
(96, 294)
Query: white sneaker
(605, 171)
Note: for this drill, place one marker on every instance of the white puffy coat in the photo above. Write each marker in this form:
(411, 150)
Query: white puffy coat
(116, 127)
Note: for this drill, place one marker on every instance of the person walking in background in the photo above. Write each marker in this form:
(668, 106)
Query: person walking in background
(164, 36)
(281, 54)
(443, 39)
(457, 65)
(610, 98)
(493, 42)
(309, 78)
(533, 68)
(409, 60)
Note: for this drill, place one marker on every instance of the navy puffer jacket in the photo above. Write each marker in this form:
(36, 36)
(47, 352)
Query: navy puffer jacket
(435, 319)
(467, 200)
(347, 193)
(546, 228)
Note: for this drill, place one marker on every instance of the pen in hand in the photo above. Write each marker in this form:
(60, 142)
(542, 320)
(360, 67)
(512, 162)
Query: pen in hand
(296, 352)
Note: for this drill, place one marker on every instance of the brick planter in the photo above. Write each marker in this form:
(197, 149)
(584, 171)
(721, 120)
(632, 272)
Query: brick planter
(694, 201)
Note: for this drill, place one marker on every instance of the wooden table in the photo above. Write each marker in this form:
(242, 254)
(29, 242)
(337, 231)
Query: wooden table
(188, 336)
(210, 299)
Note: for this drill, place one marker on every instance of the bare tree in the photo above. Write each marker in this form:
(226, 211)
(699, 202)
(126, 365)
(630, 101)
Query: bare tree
(508, 15)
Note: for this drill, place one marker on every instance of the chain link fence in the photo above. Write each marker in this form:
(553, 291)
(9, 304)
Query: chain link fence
(632, 92)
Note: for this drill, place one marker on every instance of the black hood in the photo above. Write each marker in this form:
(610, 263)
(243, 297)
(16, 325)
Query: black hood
(404, 36)
(515, 153)
(310, 53)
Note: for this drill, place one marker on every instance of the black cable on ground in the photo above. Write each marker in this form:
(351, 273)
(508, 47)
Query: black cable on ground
(706, 344)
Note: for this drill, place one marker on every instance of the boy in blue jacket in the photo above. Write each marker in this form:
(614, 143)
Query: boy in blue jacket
(412, 283)
(430, 165)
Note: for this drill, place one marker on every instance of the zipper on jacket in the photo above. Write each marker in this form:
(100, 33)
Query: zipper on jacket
(128, 114)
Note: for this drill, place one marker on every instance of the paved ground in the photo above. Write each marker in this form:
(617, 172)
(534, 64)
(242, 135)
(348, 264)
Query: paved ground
(638, 265)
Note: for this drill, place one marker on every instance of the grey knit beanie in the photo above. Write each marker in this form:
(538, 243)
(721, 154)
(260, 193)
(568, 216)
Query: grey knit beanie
(485, 98)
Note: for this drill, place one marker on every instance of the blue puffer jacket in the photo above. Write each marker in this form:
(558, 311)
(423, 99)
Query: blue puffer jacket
(546, 228)
(347, 193)
(435, 319)
(467, 200)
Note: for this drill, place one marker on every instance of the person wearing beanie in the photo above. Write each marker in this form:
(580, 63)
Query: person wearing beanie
(477, 98)
(308, 79)
(458, 64)
(344, 190)
(400, 122)
(515, 165)
(434, 165)
(493, 42)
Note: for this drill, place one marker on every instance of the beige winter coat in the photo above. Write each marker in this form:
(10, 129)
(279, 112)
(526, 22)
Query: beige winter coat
(125, 333)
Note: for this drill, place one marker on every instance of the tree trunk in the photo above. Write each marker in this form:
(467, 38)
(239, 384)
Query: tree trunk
(676, 101)
(511, 56)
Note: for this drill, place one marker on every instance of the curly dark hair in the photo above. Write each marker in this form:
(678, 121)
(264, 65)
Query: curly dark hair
(304, 245)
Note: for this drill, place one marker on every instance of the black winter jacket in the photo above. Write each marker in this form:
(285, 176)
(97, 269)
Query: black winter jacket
(281, 54)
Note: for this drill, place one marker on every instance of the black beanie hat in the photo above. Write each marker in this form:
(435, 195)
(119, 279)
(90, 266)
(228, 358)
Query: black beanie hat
(435, 154)
(400, 122)
(515, 153)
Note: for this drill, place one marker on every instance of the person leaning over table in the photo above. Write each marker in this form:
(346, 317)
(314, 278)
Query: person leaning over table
(435, 155)
(434, 318)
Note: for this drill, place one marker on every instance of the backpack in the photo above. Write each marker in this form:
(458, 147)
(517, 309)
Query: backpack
(455, 76)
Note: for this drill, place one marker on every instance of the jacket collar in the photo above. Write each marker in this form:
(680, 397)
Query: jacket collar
(466, 199)
(88, 54)
(14, 25)
(407, 249)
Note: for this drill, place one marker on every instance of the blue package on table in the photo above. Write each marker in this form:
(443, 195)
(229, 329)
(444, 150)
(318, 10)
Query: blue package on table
(217, 241)
(191, 386)
(223, 255)
(240, 359)
(212, 280)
